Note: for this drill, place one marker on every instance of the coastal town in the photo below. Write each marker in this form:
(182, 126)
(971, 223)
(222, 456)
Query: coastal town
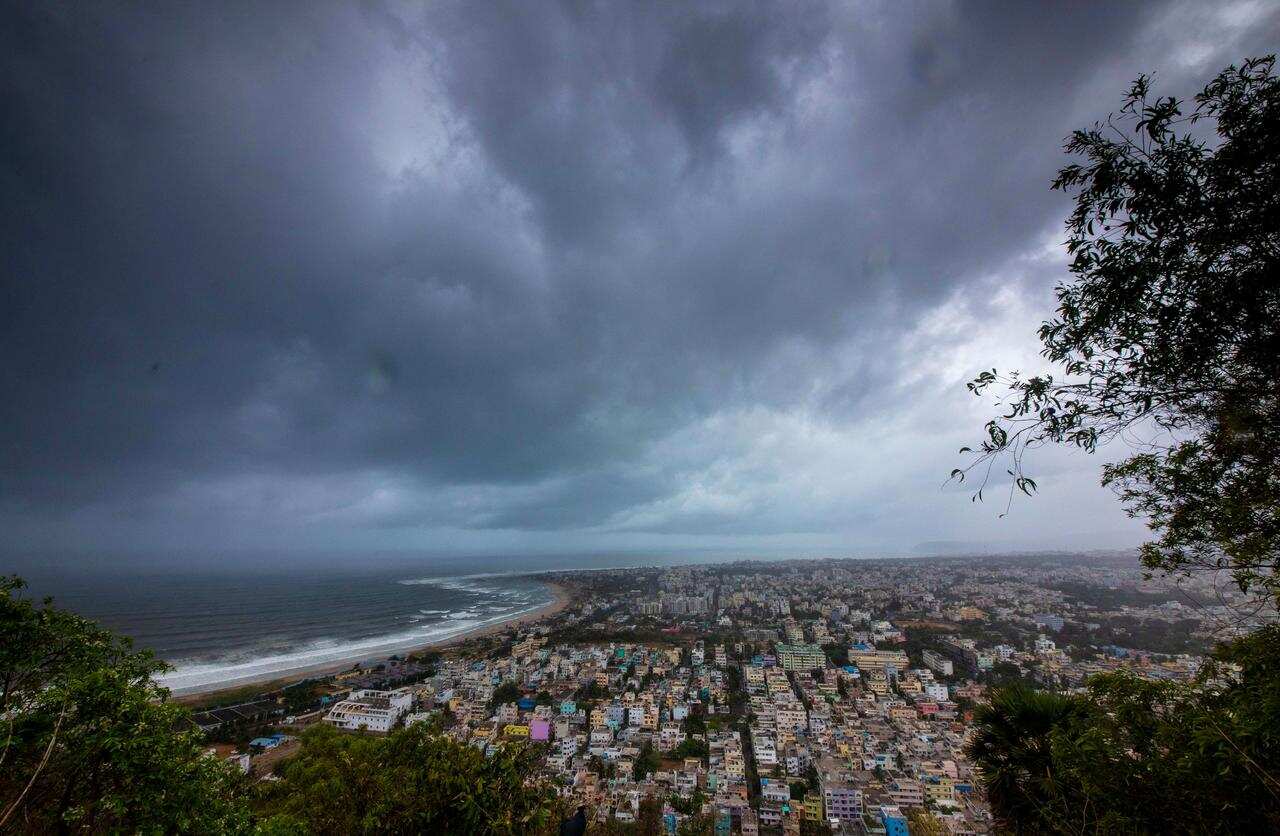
(599, 418)
(819, 696)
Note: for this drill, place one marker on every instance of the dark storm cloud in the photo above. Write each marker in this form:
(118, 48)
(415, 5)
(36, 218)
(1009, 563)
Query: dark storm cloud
(484, 265)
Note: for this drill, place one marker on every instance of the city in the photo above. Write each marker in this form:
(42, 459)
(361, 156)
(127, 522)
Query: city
(787, 697)
(588, 418)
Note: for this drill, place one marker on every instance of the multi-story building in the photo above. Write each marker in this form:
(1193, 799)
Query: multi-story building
(938, 663)
(869, 659)
(842, 801)
(813, 808)
(801, 657)
(792, 718)
(906, 793)
(375, 711)
(893, 821)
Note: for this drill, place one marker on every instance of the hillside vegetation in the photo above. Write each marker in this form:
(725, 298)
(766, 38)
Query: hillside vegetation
(1168, 331)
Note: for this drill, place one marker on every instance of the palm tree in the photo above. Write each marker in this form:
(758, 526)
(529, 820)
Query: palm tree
(1013, 751)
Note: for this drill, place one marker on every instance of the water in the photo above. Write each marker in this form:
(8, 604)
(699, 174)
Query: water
(221, 629)
(227, 621)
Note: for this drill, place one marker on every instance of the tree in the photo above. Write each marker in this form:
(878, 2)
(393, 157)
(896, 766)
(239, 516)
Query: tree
(595, 763)
(1005, 672)
(646, 763)
(1013, 751)
(921, 822)
(591, 691)
(691, 747)
(1170, 327)
(690, 805)
(411, 781)
(504, 693)
(91, 743)
(838, 653)
(694, 724)
(649, 817)
(700, 824)
(301, 696)
(1132, 756)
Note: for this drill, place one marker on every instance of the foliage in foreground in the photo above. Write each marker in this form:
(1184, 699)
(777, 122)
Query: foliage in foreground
(91, 744)
(412, 781)
(1169, 330)
(1133, 756)
(1170, 326)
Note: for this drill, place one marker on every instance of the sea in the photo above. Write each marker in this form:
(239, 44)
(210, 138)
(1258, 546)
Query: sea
(221, 623)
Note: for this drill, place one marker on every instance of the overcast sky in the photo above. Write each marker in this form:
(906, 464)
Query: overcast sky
(540, 276)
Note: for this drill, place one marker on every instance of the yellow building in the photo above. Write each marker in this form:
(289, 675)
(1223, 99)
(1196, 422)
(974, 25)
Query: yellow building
(813, 807)
(944, 789)
(878, 660)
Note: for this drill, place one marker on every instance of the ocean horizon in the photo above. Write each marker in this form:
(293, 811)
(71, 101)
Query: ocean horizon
(220, 624)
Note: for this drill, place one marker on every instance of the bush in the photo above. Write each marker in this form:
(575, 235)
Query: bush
(411, 781)
(1137, 756)
(92, 744)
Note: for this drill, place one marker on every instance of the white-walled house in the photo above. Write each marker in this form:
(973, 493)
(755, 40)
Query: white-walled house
(376, 711)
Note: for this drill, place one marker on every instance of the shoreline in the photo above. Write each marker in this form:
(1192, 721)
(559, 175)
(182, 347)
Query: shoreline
(268, 681)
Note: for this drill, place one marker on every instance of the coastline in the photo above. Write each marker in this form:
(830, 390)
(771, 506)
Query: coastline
(279, 679)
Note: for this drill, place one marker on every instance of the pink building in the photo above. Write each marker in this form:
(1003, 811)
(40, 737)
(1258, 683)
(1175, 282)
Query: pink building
(539, 729)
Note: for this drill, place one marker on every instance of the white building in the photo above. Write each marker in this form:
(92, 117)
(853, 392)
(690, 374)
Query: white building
(938, 662)
(419, 717)
(375, 711)
(764, 749)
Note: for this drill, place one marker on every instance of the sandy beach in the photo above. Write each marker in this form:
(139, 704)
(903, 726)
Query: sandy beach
(274, 680)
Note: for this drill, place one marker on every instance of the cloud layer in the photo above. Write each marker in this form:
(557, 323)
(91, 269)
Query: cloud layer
(577, 275)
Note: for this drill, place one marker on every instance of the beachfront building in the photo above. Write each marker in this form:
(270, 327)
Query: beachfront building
(375, 711)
